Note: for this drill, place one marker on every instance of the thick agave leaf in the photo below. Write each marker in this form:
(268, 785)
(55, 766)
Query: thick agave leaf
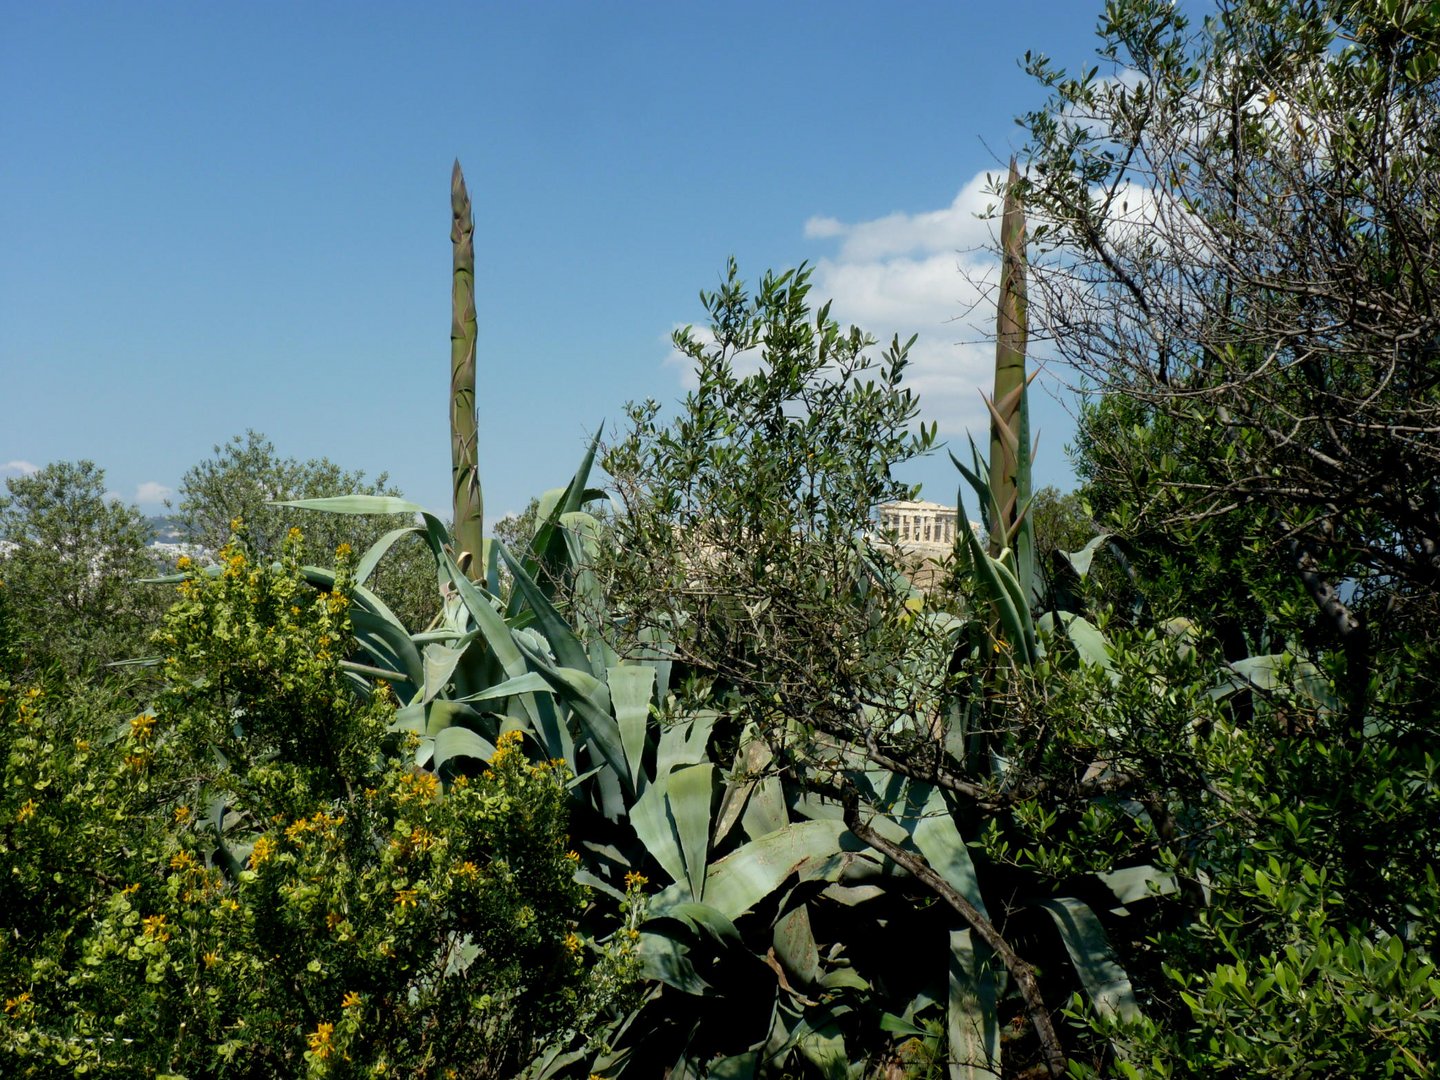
(795, 947)
(747, 774)
(376, 630)
(1090, 644)
(1081, 560)
(665, 957)
(1136, 883)
(455, 742)
(567, 648)
(690, 794)
(547, 547)
(736, 1067)
(631, 687)
(685, 742)
(740, 880)
(1278, 671)
(366, 566)
(972, 1022)
(1015, 622)
(357, 505)
(935, 835)
(650, 818)
(431, 718)
(1105, 981)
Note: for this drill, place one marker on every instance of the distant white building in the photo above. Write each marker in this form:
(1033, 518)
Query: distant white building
(920, 524)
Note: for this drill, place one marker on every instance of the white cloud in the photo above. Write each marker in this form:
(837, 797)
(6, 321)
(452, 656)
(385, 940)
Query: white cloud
(24, 468)
(928, 273)
(954, 228)
(151, 492)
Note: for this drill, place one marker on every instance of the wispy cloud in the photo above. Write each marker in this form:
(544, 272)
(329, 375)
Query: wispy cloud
(930, 273)
(150, 493)
(22, 468)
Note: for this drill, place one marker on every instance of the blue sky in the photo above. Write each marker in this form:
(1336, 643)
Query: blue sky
(227, 216)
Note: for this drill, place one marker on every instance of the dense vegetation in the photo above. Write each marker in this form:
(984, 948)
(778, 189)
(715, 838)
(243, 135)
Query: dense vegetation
(685, 778)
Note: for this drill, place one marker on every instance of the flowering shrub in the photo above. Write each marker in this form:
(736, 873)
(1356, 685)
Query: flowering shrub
(252, 878)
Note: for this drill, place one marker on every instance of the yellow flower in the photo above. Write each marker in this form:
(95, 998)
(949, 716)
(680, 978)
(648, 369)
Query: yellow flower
(572, 943)
(130, 889)
(352, 999)
(573, 856)
(182, 860)
(294, 535)
(230, 904)
(405, 898)
(182, 814)
(11, 1004)
(333, 919)
(141, 725)
(467, 870)
(183, 563)
(155, 927)
(211, 959)
(636, 881)
(264, 848)
(319, 1040)
(26, 811)
(424, 784)
(506, 747)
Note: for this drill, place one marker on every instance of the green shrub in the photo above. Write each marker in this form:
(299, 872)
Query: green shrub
(252, 879)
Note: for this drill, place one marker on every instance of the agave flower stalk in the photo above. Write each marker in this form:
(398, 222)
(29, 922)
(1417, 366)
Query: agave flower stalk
(464, 453)
(1010, 450)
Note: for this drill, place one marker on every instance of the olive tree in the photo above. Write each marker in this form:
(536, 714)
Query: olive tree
(1241, 230)
(71, 569)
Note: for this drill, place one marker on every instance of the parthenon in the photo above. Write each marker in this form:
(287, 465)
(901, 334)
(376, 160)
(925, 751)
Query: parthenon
(919, 524)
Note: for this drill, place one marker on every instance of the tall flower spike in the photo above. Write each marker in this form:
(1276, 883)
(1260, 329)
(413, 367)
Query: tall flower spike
(464, 452)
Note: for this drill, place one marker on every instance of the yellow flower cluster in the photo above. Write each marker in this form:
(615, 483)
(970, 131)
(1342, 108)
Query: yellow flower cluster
(319, 822)
(264, 848)
(506, 748)
(141, 727)
(320, 1040)
(636, 881)
(405, 898)
(26, 811)
(419, 784)
(14, 1003)
(154, 926)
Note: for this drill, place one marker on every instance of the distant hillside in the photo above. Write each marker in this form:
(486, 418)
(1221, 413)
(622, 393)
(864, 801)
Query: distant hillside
(164, 529)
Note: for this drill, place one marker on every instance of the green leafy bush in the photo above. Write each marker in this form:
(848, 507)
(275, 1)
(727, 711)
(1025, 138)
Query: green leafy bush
(252, 879)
